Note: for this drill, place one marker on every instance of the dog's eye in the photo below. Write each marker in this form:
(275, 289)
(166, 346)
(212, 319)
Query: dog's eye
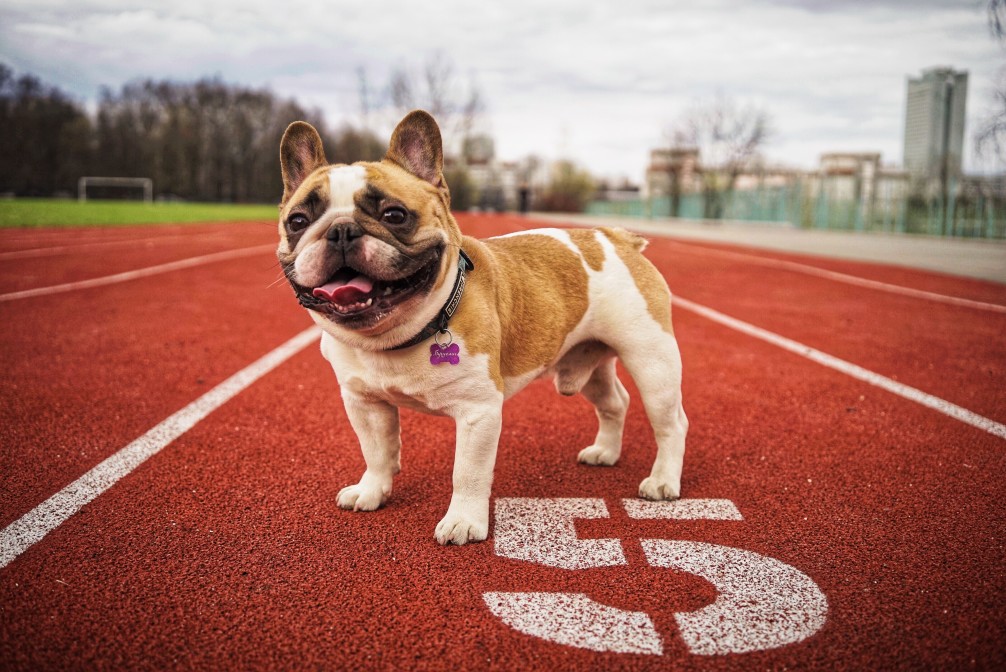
(297, 223)
(394, 216)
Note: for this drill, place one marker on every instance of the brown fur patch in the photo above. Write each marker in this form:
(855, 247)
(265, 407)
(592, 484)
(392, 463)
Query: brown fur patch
(317, 183)
(591, 250)
(416, 146)
(527, 292)
(648, 280)
(310, 199)
(430, 205)
(301, 152)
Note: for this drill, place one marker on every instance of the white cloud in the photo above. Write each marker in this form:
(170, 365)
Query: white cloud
(598, 81)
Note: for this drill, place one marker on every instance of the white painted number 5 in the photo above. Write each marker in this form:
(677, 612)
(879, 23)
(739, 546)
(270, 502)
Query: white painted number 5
(762, 603)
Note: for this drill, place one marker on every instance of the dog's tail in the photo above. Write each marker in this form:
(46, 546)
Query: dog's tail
(627, 238)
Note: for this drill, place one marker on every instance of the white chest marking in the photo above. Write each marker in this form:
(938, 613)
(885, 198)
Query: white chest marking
(344, 182)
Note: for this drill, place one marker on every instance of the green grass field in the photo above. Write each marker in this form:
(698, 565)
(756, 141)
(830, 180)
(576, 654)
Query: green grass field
(29, 212)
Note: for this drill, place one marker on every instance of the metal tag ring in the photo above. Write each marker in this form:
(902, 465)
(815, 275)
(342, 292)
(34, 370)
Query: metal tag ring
(450, 338)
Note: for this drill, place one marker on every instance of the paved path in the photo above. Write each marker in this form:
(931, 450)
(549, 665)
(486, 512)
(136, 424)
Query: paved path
(983, 259)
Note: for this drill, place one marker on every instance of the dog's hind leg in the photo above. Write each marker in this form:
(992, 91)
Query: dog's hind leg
(611, 401)
(654, 362)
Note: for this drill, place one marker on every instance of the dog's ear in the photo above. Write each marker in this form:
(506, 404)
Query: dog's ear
(417, 147)
(300, 152)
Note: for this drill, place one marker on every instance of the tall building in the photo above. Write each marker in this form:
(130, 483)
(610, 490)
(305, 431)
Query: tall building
(934, 129)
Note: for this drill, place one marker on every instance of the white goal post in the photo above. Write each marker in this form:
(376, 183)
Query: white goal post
(126, 182)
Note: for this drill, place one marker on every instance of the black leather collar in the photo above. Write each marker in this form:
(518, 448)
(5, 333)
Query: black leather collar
(439, 323)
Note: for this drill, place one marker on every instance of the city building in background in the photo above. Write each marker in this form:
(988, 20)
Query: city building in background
(479, 180)
(674, 169)
(935, 110)
(857, 187)
(929, 193)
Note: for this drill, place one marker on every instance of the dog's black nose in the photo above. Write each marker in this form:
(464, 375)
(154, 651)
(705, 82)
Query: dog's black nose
(343, 233)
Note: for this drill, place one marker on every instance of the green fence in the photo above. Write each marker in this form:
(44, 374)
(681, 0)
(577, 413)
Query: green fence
(972, 217)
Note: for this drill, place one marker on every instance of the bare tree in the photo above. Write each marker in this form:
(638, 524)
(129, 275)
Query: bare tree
(363, 91)
(727, 137)
(438, 90)
(997, 18)
(990, 137)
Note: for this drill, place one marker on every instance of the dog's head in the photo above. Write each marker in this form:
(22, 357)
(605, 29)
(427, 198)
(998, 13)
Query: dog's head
(368, 247)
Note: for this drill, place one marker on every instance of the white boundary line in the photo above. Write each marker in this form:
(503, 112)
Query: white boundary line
(682, 509)
(848, 279)
(34, 252)
(138, 273)
(50, 514)
(17, 537)
(849, 369)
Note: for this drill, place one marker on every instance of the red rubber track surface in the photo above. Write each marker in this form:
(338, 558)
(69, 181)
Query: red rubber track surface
(226, 550)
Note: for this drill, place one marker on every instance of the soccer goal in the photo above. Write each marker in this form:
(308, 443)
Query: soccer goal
(144, 183)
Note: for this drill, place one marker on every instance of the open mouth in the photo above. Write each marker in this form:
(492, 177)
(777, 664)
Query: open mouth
(352, 296)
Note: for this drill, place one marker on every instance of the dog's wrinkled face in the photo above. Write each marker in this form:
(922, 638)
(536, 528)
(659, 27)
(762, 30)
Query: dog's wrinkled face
(365, 245)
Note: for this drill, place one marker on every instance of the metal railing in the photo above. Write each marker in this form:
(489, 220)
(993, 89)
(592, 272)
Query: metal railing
(977, 216)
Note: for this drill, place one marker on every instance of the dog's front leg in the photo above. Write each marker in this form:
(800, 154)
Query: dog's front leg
(377, 427)
(478, 433)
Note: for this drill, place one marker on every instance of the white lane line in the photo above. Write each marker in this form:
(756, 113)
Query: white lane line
(848, 279)
(35, 252)
(542, 531)
(138, 273)
(761, 603)
(16, 538)
(682, 509)
(849, 369)
(573, 619)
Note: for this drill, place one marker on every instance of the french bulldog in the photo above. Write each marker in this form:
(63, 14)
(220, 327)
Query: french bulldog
(414, 314)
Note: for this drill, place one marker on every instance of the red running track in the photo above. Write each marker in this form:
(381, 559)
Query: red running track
(870, 529)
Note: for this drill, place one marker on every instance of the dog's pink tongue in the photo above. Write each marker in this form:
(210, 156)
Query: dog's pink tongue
(345, 292)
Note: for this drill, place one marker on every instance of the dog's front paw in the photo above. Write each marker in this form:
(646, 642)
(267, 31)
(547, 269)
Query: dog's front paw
(360, 497)
(598, 455)
(659, 489)
(460, 528)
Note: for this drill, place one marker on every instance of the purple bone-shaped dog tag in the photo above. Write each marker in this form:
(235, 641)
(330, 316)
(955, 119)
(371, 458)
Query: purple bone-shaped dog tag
(445, 353)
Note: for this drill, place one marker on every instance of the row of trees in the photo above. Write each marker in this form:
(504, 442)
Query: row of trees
(213, 141)
(206, 140)
(46, 137)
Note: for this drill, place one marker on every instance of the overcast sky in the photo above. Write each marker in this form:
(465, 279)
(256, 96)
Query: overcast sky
(599, 82)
